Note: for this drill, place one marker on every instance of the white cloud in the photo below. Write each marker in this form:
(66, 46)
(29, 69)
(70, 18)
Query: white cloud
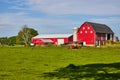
(9, 23)
(13, 22)
(109, 20)
(92, 7)
(10, 18)
(88, 7)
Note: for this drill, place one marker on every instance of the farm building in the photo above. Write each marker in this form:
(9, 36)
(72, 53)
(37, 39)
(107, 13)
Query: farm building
(89, 33)
(94, 34)
(57, 39)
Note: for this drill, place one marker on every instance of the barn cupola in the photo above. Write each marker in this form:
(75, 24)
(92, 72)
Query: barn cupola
(75, 30)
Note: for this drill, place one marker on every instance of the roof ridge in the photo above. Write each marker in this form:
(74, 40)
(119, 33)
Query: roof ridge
(96, 23)
(102, 28)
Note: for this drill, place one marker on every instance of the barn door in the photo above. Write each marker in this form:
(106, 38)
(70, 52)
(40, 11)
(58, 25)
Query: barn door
(60, 41)
(108, 36)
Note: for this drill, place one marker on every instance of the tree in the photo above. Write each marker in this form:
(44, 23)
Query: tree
(3, 41)
(117, 39)
(25, 35)
(12, 41)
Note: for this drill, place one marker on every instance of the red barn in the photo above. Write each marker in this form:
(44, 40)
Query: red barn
(57, 39)
(92, 34)
(89, 33)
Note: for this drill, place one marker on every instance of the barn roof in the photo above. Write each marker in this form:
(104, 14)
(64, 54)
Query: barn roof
(53, 36)
(101, 28)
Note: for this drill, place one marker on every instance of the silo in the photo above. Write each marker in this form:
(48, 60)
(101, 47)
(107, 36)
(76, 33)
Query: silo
(75, 30)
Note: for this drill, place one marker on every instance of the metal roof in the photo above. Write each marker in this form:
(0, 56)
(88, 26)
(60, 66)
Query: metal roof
(53, 36)
(101, 28)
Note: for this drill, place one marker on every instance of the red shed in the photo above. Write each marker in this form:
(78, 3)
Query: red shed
(57, 39)
(92, 34)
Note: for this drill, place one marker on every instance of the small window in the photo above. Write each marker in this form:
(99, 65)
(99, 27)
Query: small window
(80, 32)
(88, 27)
(86, 32)
(91, 31)
(83, 28)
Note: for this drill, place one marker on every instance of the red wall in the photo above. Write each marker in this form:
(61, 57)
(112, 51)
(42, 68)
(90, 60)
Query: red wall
(101, 37)
(86, 34)
(56, 39)
(37, 41)
(70, 39)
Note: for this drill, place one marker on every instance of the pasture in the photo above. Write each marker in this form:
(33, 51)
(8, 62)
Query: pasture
(59, 63)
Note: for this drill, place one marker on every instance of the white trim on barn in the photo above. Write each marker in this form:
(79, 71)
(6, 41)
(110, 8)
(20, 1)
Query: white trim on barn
(53, 36)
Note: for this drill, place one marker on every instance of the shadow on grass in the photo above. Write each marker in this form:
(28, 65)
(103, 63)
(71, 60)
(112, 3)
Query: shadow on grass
(89, 72)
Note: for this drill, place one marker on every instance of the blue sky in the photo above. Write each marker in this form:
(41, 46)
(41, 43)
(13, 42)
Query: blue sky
(57, 16)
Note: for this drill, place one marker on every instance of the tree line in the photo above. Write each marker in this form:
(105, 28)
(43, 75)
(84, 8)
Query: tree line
(23, 37)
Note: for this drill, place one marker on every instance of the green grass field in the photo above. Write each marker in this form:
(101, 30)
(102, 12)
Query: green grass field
(59, 63)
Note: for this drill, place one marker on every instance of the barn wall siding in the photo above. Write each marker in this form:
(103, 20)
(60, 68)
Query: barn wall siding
(70, 39)
(101, 37)
(86, 34)
(38, 41)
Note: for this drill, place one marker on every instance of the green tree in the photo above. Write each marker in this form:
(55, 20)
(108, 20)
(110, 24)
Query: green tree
(12, 41)
(3, 41)
(25, 35)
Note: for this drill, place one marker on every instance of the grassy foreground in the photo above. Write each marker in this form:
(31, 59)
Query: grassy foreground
(59, 63)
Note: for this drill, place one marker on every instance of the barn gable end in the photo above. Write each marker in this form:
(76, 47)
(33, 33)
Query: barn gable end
(86, 34)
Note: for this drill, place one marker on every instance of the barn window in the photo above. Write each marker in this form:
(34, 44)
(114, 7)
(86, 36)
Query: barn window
(88, 27)
(83, 28)
(91, 31)
(85, 31)
(80, 32)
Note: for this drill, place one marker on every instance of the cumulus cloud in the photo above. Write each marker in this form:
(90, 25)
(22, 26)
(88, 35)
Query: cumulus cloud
(13, 22)
(91, 7)
(9, 23)
(10, 18)
(59, 14)
(109, 20)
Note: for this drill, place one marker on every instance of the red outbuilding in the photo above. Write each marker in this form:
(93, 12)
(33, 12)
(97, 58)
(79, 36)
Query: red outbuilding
(56, 39)
(92, 34)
